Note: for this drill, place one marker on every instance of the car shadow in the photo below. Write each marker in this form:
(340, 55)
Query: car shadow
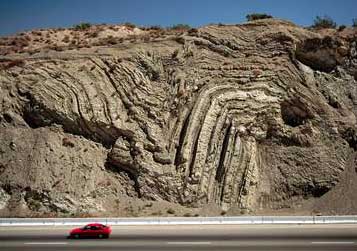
(86, 237)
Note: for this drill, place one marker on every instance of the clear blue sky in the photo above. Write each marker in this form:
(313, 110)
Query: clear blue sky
(19, 15)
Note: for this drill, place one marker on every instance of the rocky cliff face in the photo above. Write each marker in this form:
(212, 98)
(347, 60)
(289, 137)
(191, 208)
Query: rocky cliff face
(258, 117)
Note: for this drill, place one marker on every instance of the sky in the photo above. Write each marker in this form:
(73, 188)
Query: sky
(22, 15)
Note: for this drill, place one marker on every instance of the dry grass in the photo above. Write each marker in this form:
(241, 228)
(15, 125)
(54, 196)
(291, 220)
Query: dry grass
(85, 37)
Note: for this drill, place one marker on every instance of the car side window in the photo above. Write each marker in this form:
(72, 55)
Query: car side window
(93, 228)
(86, 227)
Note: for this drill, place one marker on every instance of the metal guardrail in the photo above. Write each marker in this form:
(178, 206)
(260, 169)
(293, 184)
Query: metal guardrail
(350, 219)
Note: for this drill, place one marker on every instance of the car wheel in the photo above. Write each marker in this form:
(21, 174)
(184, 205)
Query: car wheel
(76, 236)
(106, 236)
(100, 236)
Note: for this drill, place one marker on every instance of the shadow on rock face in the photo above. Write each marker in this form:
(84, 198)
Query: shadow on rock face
(320, 54)
(294, 112)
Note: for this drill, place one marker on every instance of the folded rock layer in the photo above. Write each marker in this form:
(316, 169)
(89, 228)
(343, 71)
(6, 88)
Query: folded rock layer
(254, 116)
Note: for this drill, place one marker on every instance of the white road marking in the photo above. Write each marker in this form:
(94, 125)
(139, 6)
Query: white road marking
(46, 243)
(332, 242)
(189, 243)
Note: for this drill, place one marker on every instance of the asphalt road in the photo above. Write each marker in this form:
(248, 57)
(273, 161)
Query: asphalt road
(197, 237)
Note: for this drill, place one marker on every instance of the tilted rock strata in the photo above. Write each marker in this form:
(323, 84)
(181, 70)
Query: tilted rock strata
(225, 114)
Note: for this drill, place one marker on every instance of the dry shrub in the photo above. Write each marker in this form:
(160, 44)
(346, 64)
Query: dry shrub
(65, 39)
(7, 64)
(36, 33)
(324, 22)
(341, 27)
(84, 44)
(112, 27)
(82, 26)
(257, 16)
(155, 27)
(13, 44)
(181, 27)
(109, 40)
(67, 142)
(56, 48)
(26, 37)
(93, 34)
(170, 211)
(130, 26)
(19, 42)
(192, 31)
(4, 41)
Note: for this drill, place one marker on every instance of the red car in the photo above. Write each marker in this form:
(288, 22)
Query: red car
(91, 231)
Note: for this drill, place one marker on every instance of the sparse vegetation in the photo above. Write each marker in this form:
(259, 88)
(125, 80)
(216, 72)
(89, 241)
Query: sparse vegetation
(341, 27)
(130, 25)
(257, 16)
(192, 31)
(155, 27)
(324, 22)
(123, 175)
(149, 204)
(110, 40)
(15, 41)
(354, 22)
(181, 27)
(36, 33)
(170, 211)
(82, 26)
